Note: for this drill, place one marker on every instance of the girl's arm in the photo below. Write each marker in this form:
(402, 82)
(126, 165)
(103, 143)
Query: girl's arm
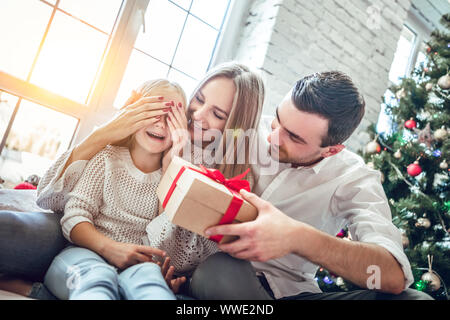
(121, 255)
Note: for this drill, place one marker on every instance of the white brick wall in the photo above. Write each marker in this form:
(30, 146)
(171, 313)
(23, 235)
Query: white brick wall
(289, 39)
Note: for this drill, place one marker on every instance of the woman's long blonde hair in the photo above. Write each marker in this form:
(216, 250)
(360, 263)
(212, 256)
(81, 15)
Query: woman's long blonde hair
(147, 89)
(245, 113)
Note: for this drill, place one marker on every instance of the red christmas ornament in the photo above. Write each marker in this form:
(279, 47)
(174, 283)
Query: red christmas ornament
(414, 169)
(428, 49)
(410, 124)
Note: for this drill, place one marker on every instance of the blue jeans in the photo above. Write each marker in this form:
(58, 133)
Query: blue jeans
(81, 274)
(28, 243)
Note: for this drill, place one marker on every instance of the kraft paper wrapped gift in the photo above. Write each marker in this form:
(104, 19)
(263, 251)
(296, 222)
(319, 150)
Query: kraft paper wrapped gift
(197, 198)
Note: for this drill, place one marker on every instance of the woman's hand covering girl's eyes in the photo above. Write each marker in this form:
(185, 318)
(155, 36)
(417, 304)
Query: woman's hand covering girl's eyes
(133, 117)
(177, 123)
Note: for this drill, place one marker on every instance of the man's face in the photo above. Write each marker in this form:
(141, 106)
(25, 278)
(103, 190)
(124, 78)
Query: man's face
(297, 135)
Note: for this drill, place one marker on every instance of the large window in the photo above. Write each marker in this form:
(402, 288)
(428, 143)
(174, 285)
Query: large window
(403, 54)
(66, 65)
(178, 43)
(409, 55)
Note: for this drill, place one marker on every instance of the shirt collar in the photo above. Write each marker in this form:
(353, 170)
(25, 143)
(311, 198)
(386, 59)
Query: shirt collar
(316, 167)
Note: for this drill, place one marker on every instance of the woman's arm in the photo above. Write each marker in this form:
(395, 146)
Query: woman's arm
(57, 182)
(137, 113)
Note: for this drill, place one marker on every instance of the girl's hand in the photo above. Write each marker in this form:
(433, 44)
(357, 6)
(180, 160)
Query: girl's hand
(124, 255)
(138, 112)
(177, 123)
(167, 271)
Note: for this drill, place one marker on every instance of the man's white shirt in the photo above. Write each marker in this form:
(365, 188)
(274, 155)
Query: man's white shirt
(339, 191)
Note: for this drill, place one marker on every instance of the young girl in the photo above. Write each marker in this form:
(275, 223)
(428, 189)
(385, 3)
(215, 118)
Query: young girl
(107, 213)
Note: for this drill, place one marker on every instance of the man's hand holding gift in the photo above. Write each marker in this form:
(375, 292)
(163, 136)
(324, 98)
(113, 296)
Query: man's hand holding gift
(272, 235)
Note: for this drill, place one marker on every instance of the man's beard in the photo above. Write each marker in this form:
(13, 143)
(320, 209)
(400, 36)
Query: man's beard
(280, 155)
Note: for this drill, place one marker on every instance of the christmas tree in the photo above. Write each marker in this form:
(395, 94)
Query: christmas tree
(413, 160)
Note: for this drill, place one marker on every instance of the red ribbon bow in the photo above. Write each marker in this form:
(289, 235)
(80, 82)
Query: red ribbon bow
(234, 185)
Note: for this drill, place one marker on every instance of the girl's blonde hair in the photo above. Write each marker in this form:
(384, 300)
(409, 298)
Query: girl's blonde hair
(245, 113)
(147, 89)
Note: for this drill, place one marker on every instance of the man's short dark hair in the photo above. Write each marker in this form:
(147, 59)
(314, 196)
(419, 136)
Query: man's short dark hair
(333, 96)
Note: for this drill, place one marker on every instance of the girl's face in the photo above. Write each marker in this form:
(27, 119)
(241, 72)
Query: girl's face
(210, 108)
(156, 138)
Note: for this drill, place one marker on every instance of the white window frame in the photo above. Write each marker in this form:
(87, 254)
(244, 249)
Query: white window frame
(107, 83)
(422, 34)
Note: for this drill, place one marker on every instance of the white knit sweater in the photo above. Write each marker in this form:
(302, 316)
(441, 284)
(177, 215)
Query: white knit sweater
(120, 201)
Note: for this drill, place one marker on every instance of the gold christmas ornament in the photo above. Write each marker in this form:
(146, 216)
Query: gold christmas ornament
(443, 165)
(405, 241)
(429, 86)
(423, 223)
(373, 147)
(400, 93)
(435, 282)
(431, 276)
(397, 154)
(340, 281)
(440, 134)
(444, 82)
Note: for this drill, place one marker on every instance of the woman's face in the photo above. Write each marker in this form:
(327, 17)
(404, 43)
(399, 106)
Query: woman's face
(156, 138)
(210, 108)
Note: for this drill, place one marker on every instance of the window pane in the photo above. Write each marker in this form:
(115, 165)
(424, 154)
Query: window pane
(422, 56)
(185, 4)
(164, 22)
(195, 48)
(188, 84)
(37, 137)
(209, 11)
(22, 25)
(402, 56)
(70, 58)
(99, 13)
(140, 68)
(7, 104)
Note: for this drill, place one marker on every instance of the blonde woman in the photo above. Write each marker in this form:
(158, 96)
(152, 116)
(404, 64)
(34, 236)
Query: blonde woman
(224, 106)
(230, 97)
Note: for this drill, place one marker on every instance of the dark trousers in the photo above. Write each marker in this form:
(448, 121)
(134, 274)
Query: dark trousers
(222, 277)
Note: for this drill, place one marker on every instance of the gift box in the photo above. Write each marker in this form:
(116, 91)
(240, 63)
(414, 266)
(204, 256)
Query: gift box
(196, 198)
